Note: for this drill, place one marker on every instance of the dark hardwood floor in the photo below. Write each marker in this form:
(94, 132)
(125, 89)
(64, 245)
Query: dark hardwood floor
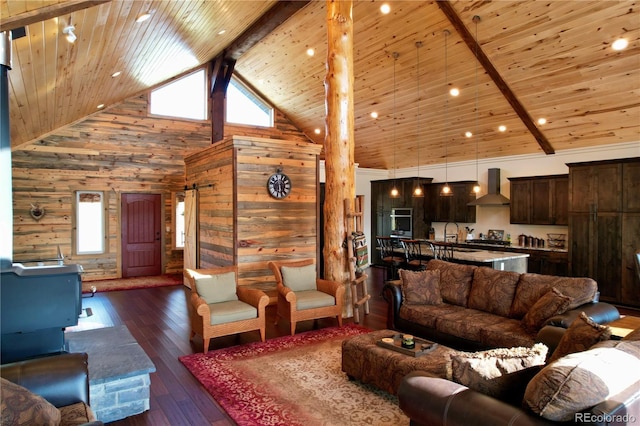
(158, 319)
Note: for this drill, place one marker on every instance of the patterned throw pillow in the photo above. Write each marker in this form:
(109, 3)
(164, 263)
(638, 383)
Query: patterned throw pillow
(580, 336)
(552, 303)
(455, 280)
(420, 287)
(502, 373)
(581, 380)
(19, 406)
(492, 290)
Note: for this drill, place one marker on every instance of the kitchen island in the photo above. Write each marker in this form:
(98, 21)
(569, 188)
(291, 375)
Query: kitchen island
(501, 260)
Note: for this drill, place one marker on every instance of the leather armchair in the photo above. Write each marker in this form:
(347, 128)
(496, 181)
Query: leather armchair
(61, 379)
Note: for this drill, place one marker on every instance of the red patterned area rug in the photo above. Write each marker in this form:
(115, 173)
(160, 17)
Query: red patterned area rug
(293, 380)
(132, 283)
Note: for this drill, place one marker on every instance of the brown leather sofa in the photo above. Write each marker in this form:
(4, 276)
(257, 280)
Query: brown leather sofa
(482, 308)
(62, 380)
(596, 386)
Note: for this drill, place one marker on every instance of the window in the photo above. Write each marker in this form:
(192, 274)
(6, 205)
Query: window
(245, 107)
(178, 220)
(90, 222)
(185, 97)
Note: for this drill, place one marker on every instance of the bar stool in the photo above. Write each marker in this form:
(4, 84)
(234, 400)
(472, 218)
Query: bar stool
(413, 255)
(389, 257)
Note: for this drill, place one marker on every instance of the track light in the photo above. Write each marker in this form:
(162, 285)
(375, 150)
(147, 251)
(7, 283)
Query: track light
(69, 31)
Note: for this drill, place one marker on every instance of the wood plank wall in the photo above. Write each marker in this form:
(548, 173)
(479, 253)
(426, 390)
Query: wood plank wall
(121, 149)
(239, 221)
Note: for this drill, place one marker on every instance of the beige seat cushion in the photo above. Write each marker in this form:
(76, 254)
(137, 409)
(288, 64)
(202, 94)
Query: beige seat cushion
(231, 311)
(311, 299)
(216, 288)
(299, 278)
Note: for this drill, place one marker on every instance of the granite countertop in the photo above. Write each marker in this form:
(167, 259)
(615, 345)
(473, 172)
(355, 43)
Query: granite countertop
(474, 255)
(507, 248)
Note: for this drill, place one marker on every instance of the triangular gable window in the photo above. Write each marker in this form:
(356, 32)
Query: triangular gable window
(245, 107)
(182, 98)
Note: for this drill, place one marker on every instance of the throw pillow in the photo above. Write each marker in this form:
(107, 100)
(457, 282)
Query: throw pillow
(580, 336)
(552, 303)
(420, 287)
(502, 373)
(217, 288)
(19, 406)
(455, 280)
(579, 381)
(492, 290)
(299, 278)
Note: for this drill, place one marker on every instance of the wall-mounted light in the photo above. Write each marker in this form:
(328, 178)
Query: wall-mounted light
(69, 32)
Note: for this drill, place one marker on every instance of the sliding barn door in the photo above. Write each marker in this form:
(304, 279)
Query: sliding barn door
(190, 230)
(141, 220)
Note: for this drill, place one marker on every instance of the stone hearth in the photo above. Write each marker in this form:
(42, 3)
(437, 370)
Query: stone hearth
(118, 371)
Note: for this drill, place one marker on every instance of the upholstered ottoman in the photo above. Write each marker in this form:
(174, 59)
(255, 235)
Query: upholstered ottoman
(364, 360)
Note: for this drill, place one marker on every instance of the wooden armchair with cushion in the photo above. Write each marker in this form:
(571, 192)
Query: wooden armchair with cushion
(302, 295)
(219, 307)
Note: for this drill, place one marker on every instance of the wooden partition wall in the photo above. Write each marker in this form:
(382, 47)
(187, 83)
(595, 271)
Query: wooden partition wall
(238, 221)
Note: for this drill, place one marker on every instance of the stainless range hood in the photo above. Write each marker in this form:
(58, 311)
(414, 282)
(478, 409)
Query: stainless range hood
(493, 197)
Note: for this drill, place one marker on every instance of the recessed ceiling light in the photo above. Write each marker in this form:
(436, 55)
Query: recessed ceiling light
(317, 131)
(100, 106)
(542, 121)
(454, 91)
(143, 17)
(468, 134)
(374, 114)
(620, 44)
(502, 128)
(385, 8)
(116, 74)
(311, 52)
(222, 32)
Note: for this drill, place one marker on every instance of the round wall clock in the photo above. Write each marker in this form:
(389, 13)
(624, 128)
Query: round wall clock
(279, 185)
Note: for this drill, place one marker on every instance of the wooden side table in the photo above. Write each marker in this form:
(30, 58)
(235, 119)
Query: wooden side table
(623, 326)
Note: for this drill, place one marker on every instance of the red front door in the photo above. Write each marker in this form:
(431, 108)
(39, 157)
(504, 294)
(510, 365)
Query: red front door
(141, 235)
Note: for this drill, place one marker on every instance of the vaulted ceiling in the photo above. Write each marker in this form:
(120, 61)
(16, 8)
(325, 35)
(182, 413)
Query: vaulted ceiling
(536, 59)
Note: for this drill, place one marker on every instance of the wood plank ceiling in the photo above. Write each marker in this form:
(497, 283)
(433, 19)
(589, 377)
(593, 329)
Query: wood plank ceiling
(554, 57)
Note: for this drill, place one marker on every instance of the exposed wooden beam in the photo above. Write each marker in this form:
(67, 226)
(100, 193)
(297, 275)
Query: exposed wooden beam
(473, 45)
(268, 22)
(220, 75)
(47, 12)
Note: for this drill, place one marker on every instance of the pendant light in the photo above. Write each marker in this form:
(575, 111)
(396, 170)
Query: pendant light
(417, 189)
(476, 187)
(395, 193)
(446, 189)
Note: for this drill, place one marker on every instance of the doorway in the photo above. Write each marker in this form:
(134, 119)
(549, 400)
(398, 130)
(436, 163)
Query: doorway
(141, 228)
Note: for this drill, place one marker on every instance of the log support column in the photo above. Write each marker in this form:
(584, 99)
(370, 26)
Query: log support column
(339, 142)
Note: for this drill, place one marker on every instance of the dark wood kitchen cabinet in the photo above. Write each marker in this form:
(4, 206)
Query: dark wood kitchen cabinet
(604, 226)
(539, 200)
(453, 208)
(382, 205)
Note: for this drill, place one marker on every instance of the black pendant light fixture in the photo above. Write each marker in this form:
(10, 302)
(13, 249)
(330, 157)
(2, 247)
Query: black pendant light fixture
(418, 192)
(476, 187)
(446, 189)
(395, 193)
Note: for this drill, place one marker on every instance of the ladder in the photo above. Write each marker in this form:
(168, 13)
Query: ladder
(359, 293)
